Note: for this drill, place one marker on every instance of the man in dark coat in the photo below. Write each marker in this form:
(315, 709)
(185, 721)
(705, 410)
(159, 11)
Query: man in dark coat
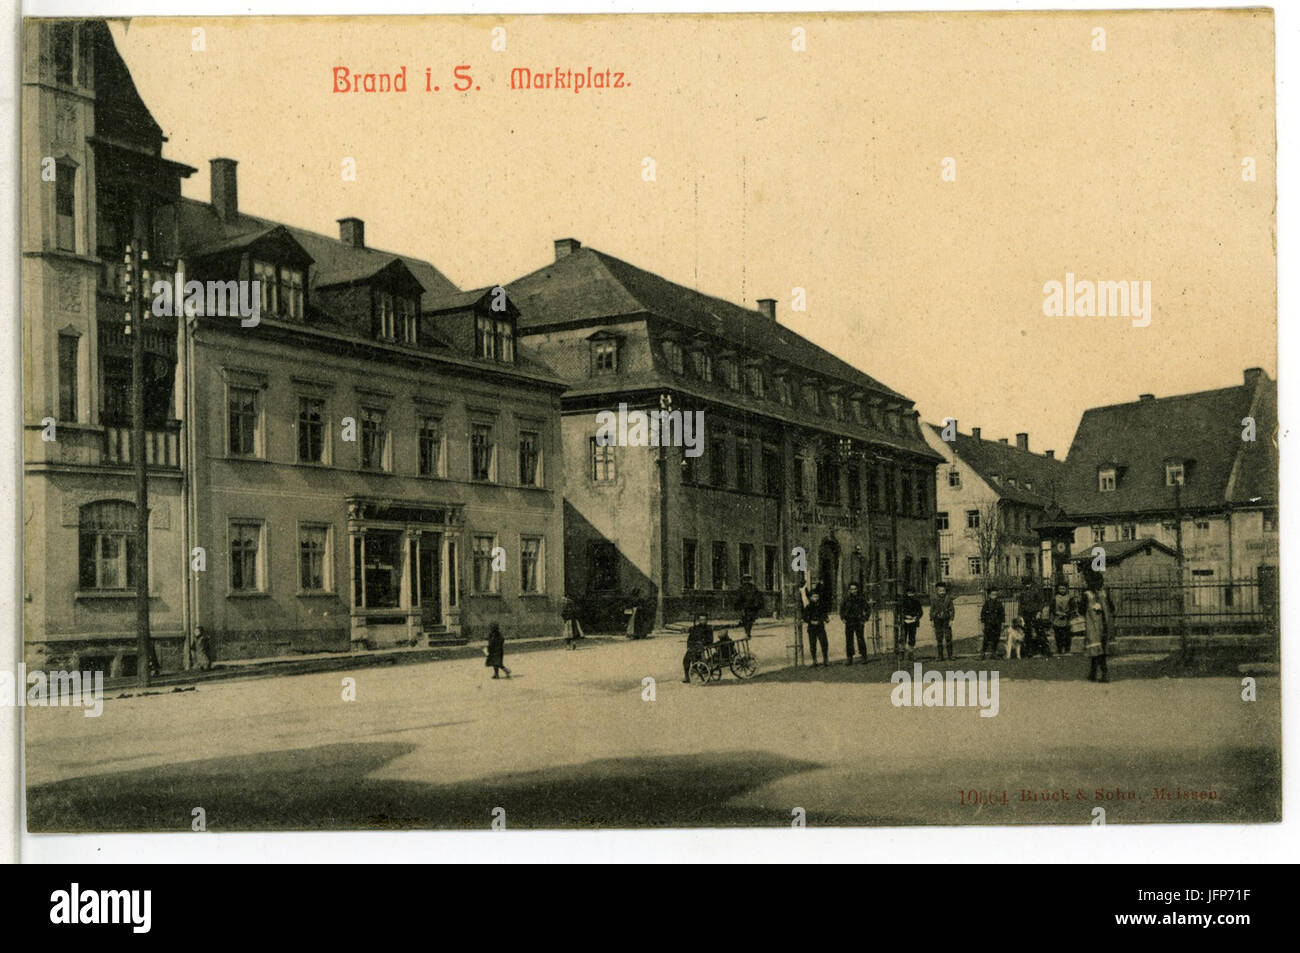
(992, 618)
(496, 651)
(814, 618)
(1031, 606)
(909, 611)
(699, 636)
(854, 611)
(749, 603)
(942, 612)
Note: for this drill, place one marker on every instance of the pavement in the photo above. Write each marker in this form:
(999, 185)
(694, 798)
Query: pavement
(608, 736)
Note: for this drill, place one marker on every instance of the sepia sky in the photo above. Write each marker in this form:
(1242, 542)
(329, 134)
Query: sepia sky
(777, 169)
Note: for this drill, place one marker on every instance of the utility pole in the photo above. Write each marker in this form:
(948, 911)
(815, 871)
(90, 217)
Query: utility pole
(1182, 587)
(137, 262)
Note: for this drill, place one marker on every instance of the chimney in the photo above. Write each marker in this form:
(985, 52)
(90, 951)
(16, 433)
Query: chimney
(352, 231)
(1003, 440)
(1050, 454)
(1022, 442)
(224, 191)
(975, 432)
(1251, 375)
(566, 246)
(1146, 396)
(768, 307)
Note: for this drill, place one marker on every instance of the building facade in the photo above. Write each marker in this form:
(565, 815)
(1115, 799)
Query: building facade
(991, 497)
(103, 183)
(803, 463)
(1207, 460)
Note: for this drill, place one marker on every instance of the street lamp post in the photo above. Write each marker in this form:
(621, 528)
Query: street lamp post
(137, 277)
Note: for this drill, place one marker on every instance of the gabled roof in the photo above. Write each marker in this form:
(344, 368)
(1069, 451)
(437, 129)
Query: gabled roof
(1119, 550)
(1203, 430)
(989, 458)
(587, 285)
(202, 229)
(466, 301)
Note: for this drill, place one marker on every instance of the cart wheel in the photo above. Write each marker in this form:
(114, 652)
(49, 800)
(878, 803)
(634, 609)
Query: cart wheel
(715, 673)
(744, 667)
(699, 673)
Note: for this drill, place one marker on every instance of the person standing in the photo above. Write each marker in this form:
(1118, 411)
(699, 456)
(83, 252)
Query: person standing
(854, 611)
(910, 608)
(942, 612)
(1098, 616)
(496, 651)
(992, 618)
(572, 630)
(697, 639)
(815, 618)
(749, 603)
(1063, 610)
(1029, 605)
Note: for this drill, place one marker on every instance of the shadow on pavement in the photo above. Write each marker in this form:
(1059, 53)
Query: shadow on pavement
(330, 788)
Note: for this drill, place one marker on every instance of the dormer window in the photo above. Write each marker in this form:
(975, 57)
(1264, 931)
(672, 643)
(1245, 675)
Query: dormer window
(386, 315)
(1106, 480)
(730, 373)
(702, 365)
(408, 319)
(754, 382)
(812, 397)
(783, 392)
(1175, 474)
(837, 406)
(604, 357)
(291, 296)
(855, 407)
(674, 357)
(494, 339)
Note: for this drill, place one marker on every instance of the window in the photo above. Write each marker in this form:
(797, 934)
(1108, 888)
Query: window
(381, 576)
(744, 467)
(315, 567)
(494, 339)
(771, 472)
(245, 557)
(719, 565)
(746, 560)
(115, 399)
(431, 447)
(797, 473)
(783, 392)
(941, 522)
(485, 580)
(374, 439)
(855, 407)
(61, 51)
(754, 381)
(65, 206)
(904, 492)
(1106, 480)
(530, 458)
(483, 454)
(974, 565)
(484, 339)
(688, 468)
(243, 421)
(702, 365)
(996, 477)
(505, 331)
(828, 480)
(954, 479)
(385, 316)
(770, 556)
(690, 579)
(837, 406)
(873, 490)
(945, 566)
(730, 373)
(311, 430)
(855, 487)
(532, 566)
(674, 357)
(972, 519)
(1201, 527)
(718, 459)
(1270, 521)
(602, 566)
(1128, 531)
(410, 323)
(106, 545)
(604, 357)
(1029, 484)
(264, 275)
(603, 469)
(1174, 474)
(922, 493)
(68, 344)
(812, 398)
(292, 300)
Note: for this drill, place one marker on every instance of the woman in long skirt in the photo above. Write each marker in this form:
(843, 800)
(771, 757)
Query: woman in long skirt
(1097, 631)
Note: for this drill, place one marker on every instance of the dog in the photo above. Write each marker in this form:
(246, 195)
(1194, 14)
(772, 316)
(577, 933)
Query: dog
(1015, 636)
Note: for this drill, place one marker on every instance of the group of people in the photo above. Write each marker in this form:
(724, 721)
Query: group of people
(1046, 616)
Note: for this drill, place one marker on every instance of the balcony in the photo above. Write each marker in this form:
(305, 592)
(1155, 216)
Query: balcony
(161, 447)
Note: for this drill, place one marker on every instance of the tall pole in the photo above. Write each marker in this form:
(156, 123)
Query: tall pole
(1182, 588)
(138, 276)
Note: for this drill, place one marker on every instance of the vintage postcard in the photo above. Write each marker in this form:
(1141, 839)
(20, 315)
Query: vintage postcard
(666, 421)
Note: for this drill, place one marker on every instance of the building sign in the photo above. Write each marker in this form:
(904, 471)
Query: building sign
(804, 514)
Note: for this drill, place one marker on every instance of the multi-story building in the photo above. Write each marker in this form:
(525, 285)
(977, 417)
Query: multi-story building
(373, 461)
(376, 461)
(94, 180)
(991, 496)
(1208, 460)
(800, 450)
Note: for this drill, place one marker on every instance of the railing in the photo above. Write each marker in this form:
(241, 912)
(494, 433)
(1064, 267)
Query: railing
(1159, 605)
(161, 447)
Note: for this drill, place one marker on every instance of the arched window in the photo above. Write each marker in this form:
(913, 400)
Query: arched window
(106, 550)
